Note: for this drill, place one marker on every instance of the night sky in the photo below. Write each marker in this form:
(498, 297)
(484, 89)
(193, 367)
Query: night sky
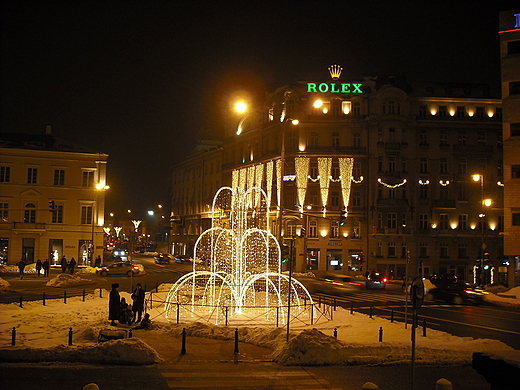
(142, 81)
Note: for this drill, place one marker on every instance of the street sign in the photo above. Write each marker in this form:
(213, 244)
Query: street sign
(417, 293)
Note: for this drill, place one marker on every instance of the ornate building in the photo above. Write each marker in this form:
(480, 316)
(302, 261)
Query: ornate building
(52, 199)
(362, 174)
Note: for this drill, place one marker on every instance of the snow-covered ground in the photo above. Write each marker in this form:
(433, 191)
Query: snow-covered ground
(42, 335)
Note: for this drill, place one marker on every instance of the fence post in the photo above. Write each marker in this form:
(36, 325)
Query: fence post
(226, 316)
(130, 333)
(43, 299)
(424, 327)
(156, 287)
(392, 316)
(13, 336)
(70, 336)
(351, 307)
(313, 307)
(21, 304)
(100, 292)
(380, 334)
(178, 312)
(334, 304)
(236, 340)
(335, 333)
(83, 295)
(277, 314)
(183, 345)
(65, 296)
(370, 311)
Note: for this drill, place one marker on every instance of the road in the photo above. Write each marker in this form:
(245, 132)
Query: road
(484, 321)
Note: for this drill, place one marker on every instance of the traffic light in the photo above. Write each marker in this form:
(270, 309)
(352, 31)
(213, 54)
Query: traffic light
(343, 218)
(52, 206)
(302, 232)
(286, 253)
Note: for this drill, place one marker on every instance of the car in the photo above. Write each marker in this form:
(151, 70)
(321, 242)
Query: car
(181, 259)
(118, 268)
(375, 280)
(335, 284)
(162, 258)
(455, 292)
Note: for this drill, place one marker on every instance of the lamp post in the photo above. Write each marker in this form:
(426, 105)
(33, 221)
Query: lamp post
(95, 218)
(482, 218)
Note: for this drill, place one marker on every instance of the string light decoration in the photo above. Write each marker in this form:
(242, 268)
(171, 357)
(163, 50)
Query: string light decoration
(424, 183)
(444, 183)
(259, 177)
(118, 230)
(269, 181)
(235, 177)
(279, 183)
(356, 181)
(238, 276)
(324, 167)
(302, 165)
(345, 170)
(136, 223)
(391, 186)
(243, 179)
(107, 230)
(313, 180)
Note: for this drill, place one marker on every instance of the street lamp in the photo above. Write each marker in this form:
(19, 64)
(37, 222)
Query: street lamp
(482, 216)
(95, 217)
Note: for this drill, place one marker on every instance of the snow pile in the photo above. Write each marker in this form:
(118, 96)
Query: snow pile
(67, 280)
(4, 285)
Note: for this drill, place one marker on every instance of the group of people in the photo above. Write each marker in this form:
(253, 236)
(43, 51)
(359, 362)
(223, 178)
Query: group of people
(125, 313)
(39, 267)
(67, 265)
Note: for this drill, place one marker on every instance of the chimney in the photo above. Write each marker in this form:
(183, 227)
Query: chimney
(48, 129)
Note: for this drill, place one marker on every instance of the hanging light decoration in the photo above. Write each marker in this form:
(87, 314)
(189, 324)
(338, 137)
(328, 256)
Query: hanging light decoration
(269, 181)
(392, 186)
(279, 182)
(345, 169)
(324, 167)
(444, 182)
(424, 183)
(302, 165)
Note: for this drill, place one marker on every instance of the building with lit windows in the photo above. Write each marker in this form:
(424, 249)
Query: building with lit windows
(509, 32)
(52, 199)
(365, 174)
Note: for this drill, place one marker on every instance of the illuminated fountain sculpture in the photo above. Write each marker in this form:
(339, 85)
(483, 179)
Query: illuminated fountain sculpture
(236, 273)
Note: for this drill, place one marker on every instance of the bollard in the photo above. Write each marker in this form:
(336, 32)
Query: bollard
(335, 333)
(226, 315)
(70, 336)
(334, 304)
(370, 311)
(370, 386)
(380, 334)
(424, 327)
(277, 315)
(443, 384)
(183, 346)
(156, 287)
(392, 316)
(83, 295)
(130, 333)
(21, 304)
(43, 299)
(65, 296)
(351, 307)
(13, 336)
(101, 293)
(236, 341)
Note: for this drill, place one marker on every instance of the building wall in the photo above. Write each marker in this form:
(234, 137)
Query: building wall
(31, 232)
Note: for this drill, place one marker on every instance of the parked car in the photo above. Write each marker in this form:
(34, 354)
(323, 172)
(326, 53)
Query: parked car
(181, 259)
(118, 268)
(375, 280)
(455, 292)
(162, 258)
(335, 284)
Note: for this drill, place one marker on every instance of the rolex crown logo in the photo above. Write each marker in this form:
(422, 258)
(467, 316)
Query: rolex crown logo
(335, 71)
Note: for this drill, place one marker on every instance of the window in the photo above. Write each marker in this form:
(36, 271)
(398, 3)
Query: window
(357, 109)
(404, 166)
(423, 137)
(391, 249)
(461, 111)
(379, 252)
(391, 134)
(356, 230)
(404, 193)
(57, 214)
(404, 251)
(514, 88)
(4, 212)
(335, 139)
(313, 229)
(423, 110)
(356, 199)
(391, 163)
(86, 215)
(463, 192)
(463, 251)
(403, 220)
(29, 215)
(423, 165)
(88, 179)
(462, 165)
(481, 137)
(391, 193)
(403, 136)
(423, 221)
(292, 140)
(356, 170)
(463, 222)
(32, 175)
(480, 112)
(5, 174)
(334, 229)
(515, 171)
(335, 107)
(379, 220)
(444, 250)
(334, 199)
(443, 111)
(513, 47)
(443, 139)
(515, 129)
(379, 135)
(357, 140)
(380, 164)
(59, 177)
(391, 220)
(462, 137)
(314, 139)
(443, 165)
(444, 193)
(423, 191)
(516, 219)
(482, 164)
(444, 222)
(423, 250)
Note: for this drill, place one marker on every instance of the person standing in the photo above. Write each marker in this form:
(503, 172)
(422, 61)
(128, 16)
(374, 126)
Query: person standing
(21, 268)
(46, 268)
(138, 305)
(64, 264)
(72, 264)
(98, 261)
(114, 305)
(38, 267)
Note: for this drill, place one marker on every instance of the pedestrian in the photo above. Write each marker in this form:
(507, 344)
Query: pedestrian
(72, 264)
(138, 302)
(38, 267)
(21, 268)
(122, 311)
(114, 305)
(46, 268)
(146, 323)
(64, 264)
(98, 261)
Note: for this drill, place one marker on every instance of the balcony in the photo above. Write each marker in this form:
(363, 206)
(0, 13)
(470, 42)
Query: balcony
(29, 227)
